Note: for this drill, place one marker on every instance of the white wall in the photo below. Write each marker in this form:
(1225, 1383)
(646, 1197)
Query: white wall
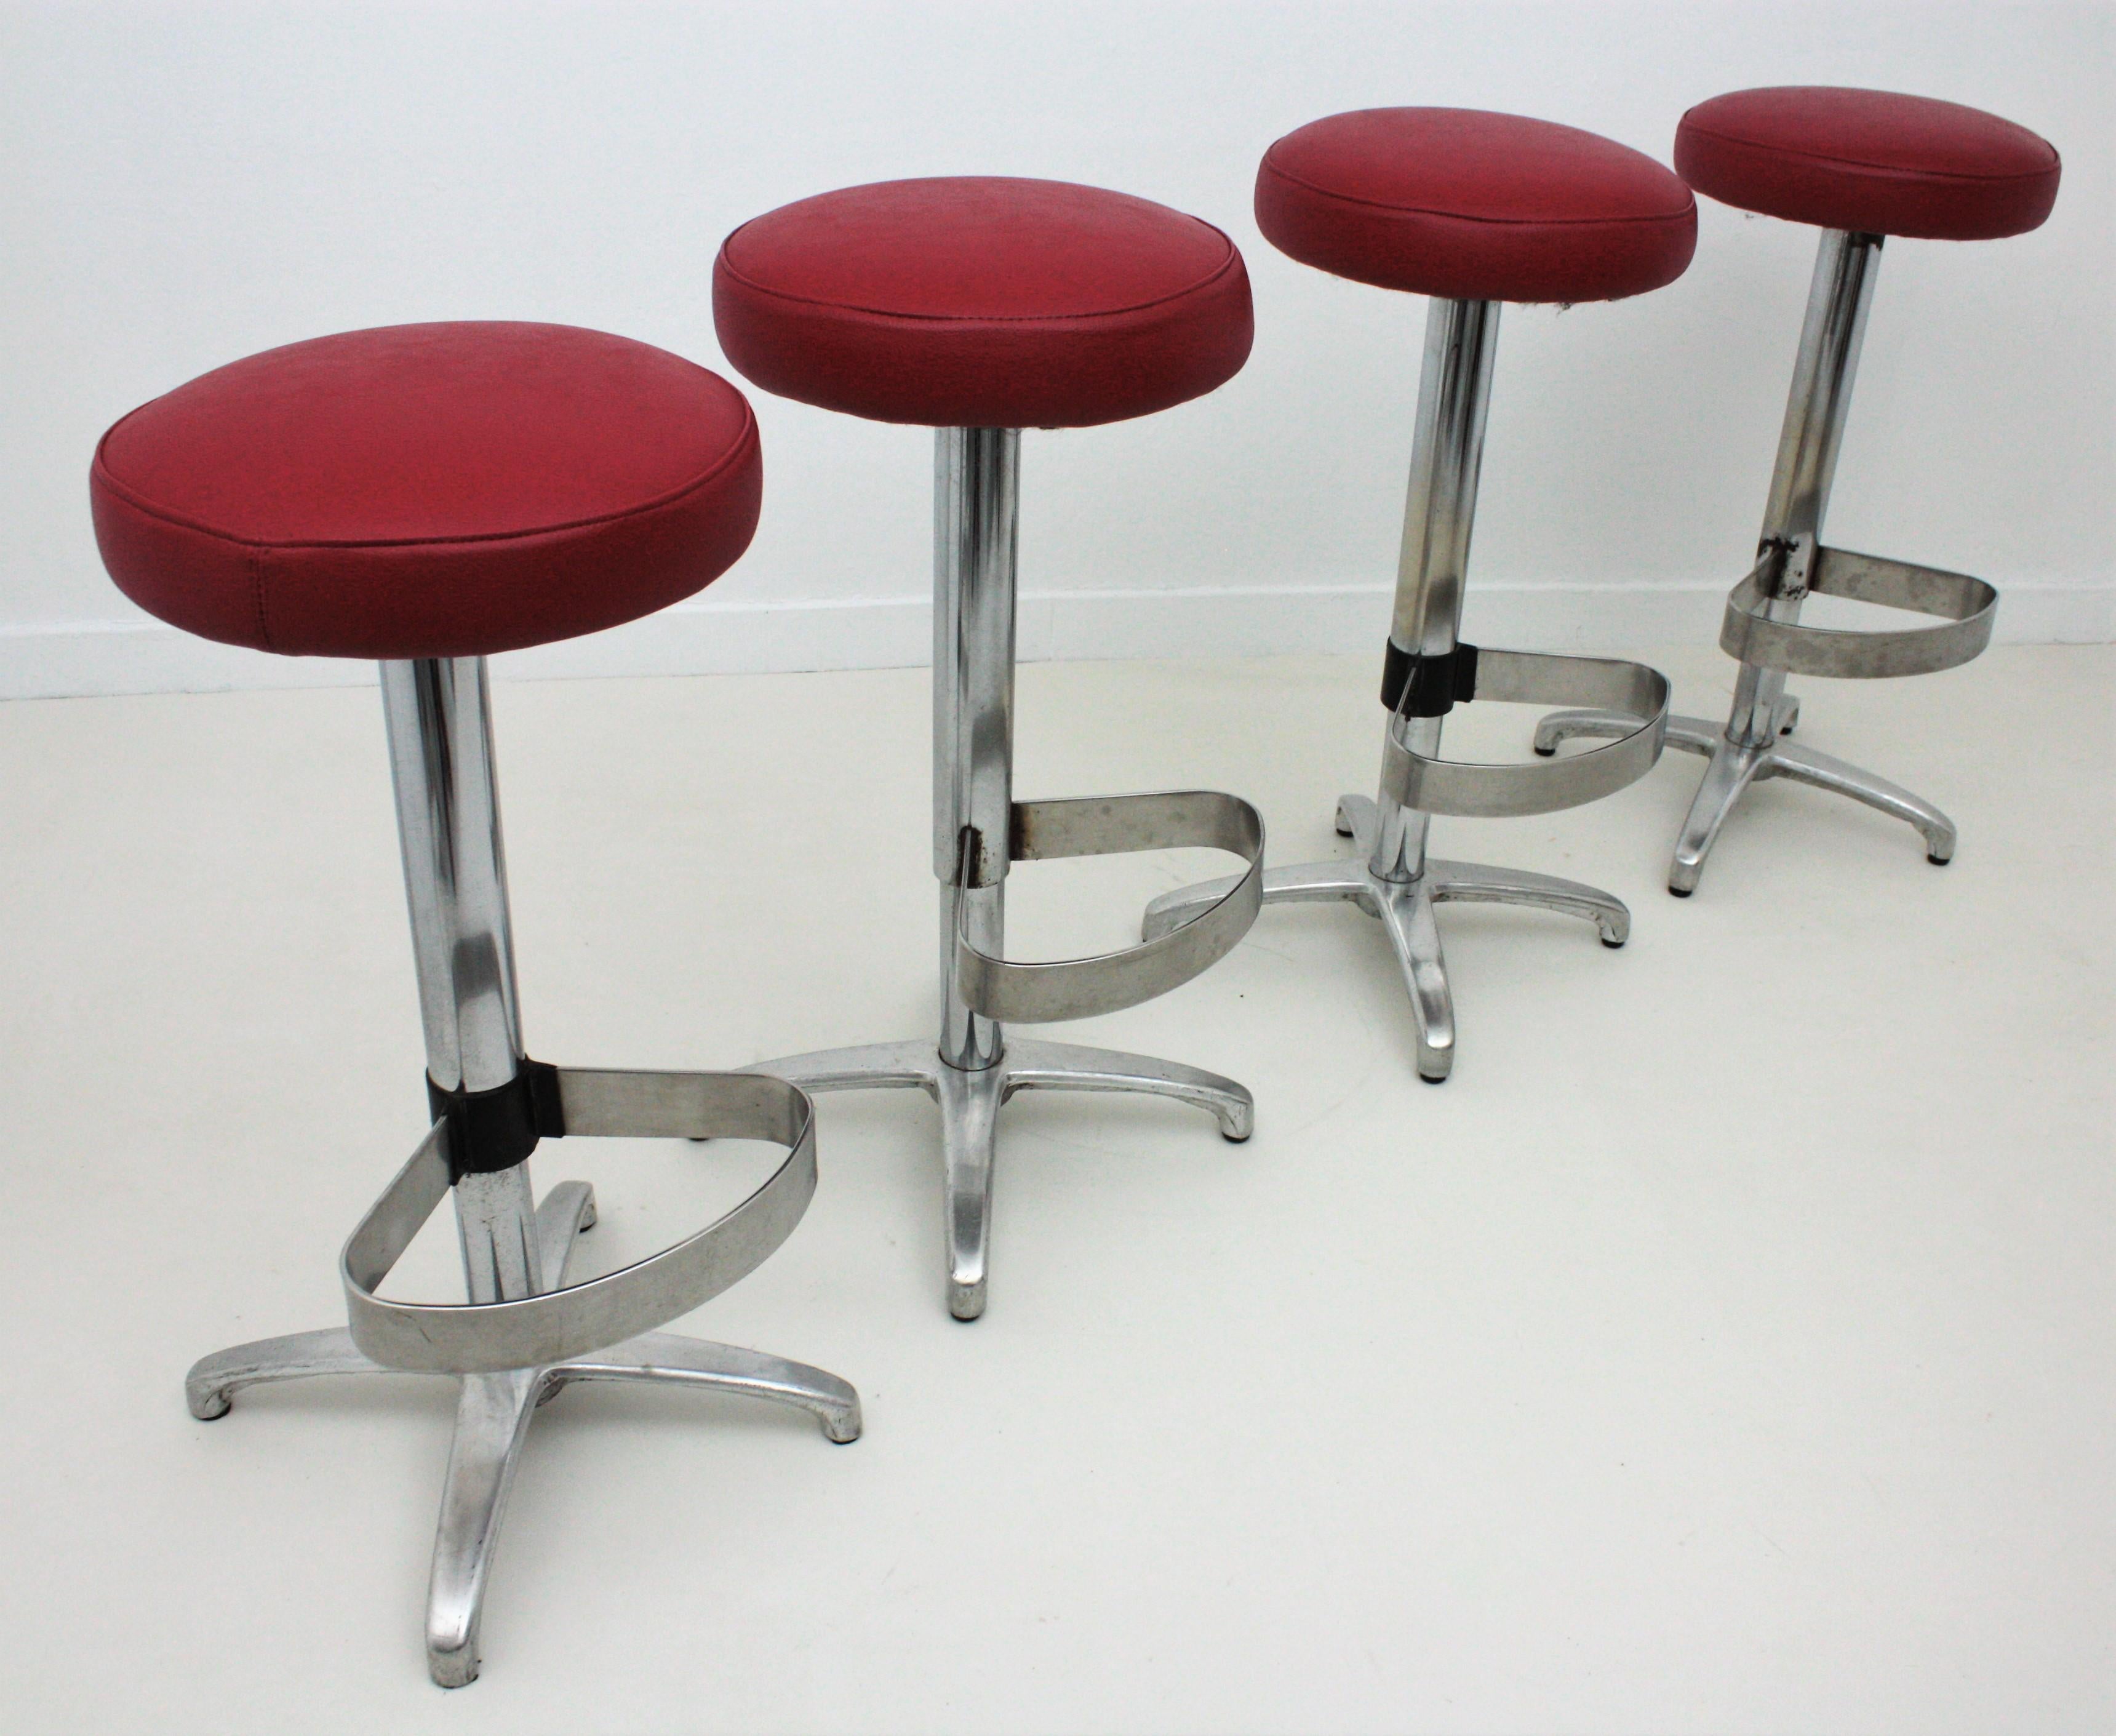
(186, 184)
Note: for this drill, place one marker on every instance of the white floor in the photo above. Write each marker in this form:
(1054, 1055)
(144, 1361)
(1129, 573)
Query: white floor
(1728, 1347)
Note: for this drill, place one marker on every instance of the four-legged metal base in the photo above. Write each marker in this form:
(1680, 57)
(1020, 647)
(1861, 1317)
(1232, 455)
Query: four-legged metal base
(1735, 766)
(492, 1415)
(970, 1101)
(1404, 910)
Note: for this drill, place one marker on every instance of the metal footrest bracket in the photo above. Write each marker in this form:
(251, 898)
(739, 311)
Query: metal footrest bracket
(532, 1332)
(1433, 785)
(1966, 606)
(1019, 993)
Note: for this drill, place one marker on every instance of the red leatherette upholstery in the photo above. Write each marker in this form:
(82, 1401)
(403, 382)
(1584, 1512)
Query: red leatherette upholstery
(1474, 206)
(428, 491)
(978, 301)
(1869, 160)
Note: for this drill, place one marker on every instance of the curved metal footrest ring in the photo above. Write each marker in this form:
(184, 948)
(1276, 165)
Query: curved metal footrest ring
(1020, 994)
(1463, 787)
(1967, 608)
(562, 1324)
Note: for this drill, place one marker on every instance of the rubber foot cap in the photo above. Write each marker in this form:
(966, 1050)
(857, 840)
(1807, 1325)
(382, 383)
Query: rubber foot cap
(1678, 891)
(1937, 861)
(1236, 1139)
(1614, 946)
(1428, 1078)
(1546, 753)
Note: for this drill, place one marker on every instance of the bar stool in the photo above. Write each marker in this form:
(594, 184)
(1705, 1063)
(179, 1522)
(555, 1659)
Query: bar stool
(978, 307)
(426, 495)
(1859, 165)
(1471, 209)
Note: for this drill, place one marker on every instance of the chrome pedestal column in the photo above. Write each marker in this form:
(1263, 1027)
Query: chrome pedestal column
(976, 1066)
(1763, 628)
(1391, 877)
(455, 876)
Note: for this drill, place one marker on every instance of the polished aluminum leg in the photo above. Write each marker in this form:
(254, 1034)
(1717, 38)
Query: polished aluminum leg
(1073, 1066)
(210, 1386)
(1805, 765)
(970, 1100)
(663, 1359)
(1467, 882)
(975, 1066)
(1731, 769)
(492, 1413)
(1404, 910)
(1735, 766)
(1692, 734)
(969, 1135)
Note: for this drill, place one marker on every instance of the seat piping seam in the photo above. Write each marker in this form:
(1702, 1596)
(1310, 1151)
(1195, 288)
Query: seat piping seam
(1897, 170)
(1501, 223)
(135, 500)
(254, 557)
(1232, 262)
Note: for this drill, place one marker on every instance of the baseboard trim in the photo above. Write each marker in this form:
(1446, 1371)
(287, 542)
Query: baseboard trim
(75, 658)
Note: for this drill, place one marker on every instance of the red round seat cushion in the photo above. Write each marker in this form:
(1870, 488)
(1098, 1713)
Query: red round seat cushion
(983, 301)
(1474, 206)
(1871, 161)
(428, 491)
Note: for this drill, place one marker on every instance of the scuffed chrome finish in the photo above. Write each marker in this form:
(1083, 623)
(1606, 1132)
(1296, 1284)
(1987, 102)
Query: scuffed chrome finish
(1391, 879)
(210, 1386)
(1405, 909)
(1433, 559)
(1732, 768)
(1434, 785)
(213, 1381)
(516, 1329)
(1735, 766)
(1968, 606)
(494, 1213)
(979, 830)
(437, 716)
(492, 1419)
(664, 1359)
(438, 713)
(970, 1099)
(1824, 771)
(1447, 459)
(1692, 734)
(977, 484)
(493, 1414)
(1012, 991)
(527, 1332)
